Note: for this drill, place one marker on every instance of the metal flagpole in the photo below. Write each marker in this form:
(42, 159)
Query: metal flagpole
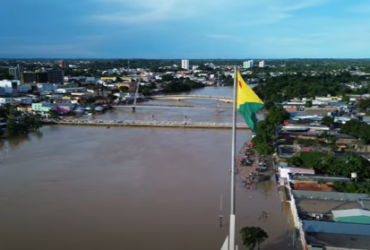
(233, 146)
(229, 243)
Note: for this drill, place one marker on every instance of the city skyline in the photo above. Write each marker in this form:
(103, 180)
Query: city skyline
(169, 29)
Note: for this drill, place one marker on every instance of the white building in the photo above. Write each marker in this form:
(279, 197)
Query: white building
(248, 64)
(70, 90)
(185, 64)
(8, 85)
(261, 64)
(6, 100)
(47, 87)
(24, 88)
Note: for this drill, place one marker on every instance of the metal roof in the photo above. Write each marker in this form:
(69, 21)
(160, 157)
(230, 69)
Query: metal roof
(328, 195)
(350, 213)
(311, 226)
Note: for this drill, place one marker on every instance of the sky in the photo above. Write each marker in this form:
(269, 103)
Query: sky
(187, 29)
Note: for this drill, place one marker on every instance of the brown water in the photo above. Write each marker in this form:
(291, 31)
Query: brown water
(95, 188)
(77, 188)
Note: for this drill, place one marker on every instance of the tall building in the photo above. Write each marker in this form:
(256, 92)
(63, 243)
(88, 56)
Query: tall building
(261, 64)
(63, 64)
(16, 71)
(51, 76)
(55, 76)
(185, 64)
(248, 64)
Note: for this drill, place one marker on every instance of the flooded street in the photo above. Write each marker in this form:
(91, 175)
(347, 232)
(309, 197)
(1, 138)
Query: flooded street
(129, 188)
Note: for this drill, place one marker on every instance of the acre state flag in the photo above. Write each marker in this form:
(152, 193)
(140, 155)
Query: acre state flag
(248, 103)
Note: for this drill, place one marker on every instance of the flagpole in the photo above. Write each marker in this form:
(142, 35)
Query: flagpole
(233, 159)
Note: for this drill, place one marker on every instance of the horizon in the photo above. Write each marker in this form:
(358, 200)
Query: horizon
(179, 59)
(105, 29)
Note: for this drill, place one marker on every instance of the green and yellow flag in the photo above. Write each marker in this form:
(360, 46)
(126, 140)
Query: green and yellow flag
(248, 103)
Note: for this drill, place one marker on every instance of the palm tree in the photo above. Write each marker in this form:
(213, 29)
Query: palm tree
(253, 236)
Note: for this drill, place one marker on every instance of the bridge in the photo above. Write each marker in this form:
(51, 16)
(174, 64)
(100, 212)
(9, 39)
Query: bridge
(146, 123)
(168, 106)
(201, 97)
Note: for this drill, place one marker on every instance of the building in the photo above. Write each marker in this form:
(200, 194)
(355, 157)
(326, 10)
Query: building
(16, 71)
(32, 77)
(43, 107)
(24, 88)
(2, 91)
(55, 76)
(355, 216)
(248, 64)
(9, 85)
(47, 87)
(185, 64)
(50, 76)
(261, 64)
(70, 90)
(330, 236)
(24, 100)
(63, 64)
(5, 100)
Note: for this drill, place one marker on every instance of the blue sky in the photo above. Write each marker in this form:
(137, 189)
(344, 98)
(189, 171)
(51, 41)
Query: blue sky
(185, 28)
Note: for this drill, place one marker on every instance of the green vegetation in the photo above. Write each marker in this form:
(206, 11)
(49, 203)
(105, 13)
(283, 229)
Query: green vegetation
(16, 123)
(327, 121)
(357, 129)
(300, 85)
(173, 85)
(265, 130)
(306, 142)
(327, 163)
(253, 236)
(363, 104)
(352, 187)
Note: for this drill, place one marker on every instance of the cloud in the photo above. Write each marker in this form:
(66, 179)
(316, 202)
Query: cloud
(149, 11)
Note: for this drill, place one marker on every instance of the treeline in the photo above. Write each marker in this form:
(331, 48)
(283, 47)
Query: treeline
(17, 123)
(286, 87)
(329, 164)
(357, 129)
(173, 85)
(265, 130)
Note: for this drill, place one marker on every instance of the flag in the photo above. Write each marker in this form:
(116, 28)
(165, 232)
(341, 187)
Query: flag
(248, 103)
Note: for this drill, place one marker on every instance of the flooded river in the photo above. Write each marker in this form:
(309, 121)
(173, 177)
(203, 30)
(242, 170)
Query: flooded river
(94, 188)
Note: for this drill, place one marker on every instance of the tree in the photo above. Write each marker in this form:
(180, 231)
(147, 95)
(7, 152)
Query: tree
(327, 121)
(123, 89)
(253, 236)
(264, 148)
(308, 104)
(167, 78)
(269, 104)
(345, 98)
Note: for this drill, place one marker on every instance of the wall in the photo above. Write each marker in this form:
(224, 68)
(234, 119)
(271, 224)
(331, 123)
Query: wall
(297, 222)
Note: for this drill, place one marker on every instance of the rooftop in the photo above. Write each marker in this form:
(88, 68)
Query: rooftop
(316, 177)
(350, 212)
(338, 240)
(324, 207)
(335, 196)
(311, 186)
(311, 226)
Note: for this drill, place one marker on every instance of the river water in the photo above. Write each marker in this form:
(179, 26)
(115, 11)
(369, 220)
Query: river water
(129, 188)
